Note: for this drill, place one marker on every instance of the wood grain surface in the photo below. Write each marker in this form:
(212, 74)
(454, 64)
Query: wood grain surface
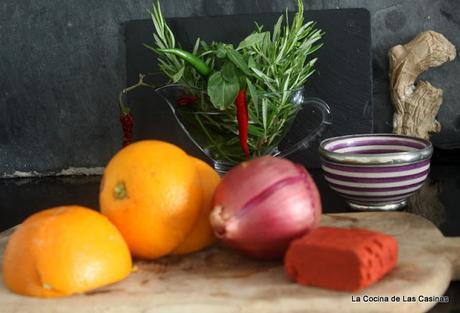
(219, 280)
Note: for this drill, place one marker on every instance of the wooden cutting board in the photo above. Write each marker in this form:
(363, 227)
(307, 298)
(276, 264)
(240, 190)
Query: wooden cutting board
(219, 280)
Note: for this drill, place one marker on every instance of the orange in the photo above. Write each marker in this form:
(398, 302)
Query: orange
(151, 191)
(202, 234)
(64, 250)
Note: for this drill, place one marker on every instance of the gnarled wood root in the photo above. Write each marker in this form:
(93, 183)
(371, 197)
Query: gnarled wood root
(416, 105)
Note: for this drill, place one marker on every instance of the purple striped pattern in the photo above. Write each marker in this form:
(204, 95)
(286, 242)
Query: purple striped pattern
(375, 184)
(372, 143)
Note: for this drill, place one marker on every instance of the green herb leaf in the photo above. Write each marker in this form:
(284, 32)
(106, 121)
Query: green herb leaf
(221, 51)
(264, 114)
(268, 64)
(259, 27)
(251, 40)
(222, 93)
(178, 76)
(255, 131)
(204, 45)
(238, 60)
(228, 72)
(269, 82)
(253, 96)
(314, 48)
(197, 46)
(251, 62)
(277, 28)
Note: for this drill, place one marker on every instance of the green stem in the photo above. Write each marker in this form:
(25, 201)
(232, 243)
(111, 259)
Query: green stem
(123, 108)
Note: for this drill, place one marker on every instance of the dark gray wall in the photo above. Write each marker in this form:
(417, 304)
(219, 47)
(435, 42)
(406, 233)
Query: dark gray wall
(62, 66)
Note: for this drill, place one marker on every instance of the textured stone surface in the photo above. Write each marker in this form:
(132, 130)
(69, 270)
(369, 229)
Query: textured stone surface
(62, 65)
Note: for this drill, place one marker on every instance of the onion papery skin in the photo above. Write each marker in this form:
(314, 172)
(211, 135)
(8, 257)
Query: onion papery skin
(261, 205)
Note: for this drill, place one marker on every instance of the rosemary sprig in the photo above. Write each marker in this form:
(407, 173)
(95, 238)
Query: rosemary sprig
(270, 65)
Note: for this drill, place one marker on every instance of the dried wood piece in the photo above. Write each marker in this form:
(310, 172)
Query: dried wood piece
(416, 105)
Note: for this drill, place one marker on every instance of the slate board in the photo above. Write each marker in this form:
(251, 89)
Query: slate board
(343, 75)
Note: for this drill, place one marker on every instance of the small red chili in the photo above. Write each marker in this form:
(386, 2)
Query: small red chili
(243, 121)
(184, 100)
(127, 123)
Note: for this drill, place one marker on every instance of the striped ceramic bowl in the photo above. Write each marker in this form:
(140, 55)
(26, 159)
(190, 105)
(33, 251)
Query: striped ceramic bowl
(375, 171)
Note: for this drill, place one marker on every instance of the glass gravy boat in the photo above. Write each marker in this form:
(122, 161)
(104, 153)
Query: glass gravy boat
(215, 132)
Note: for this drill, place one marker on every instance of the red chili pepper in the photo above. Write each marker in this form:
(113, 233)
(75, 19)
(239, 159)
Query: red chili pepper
(127, 124)
(184, 100)
(243, 120)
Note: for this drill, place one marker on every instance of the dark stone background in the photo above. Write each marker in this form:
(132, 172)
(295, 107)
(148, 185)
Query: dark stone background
(62, 66)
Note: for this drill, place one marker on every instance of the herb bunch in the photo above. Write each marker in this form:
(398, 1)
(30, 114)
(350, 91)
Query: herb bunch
(269, 65)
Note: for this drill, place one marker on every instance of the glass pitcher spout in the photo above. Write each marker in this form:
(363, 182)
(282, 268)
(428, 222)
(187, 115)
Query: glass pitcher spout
(280, 123)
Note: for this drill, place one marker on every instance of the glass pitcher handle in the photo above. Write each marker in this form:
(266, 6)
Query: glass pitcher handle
(326, 119)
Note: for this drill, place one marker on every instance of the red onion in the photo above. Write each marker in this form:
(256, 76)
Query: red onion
(261, 205)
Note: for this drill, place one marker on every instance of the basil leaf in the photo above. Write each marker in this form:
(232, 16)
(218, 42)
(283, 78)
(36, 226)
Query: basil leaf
(222, 93)
(252, 40)
(221, 51)
(228, 72)
(238, 60)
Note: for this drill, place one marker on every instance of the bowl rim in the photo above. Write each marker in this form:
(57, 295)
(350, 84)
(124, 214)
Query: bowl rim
(391, 158)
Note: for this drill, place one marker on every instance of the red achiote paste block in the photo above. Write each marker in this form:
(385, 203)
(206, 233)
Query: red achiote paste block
(345, 259)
